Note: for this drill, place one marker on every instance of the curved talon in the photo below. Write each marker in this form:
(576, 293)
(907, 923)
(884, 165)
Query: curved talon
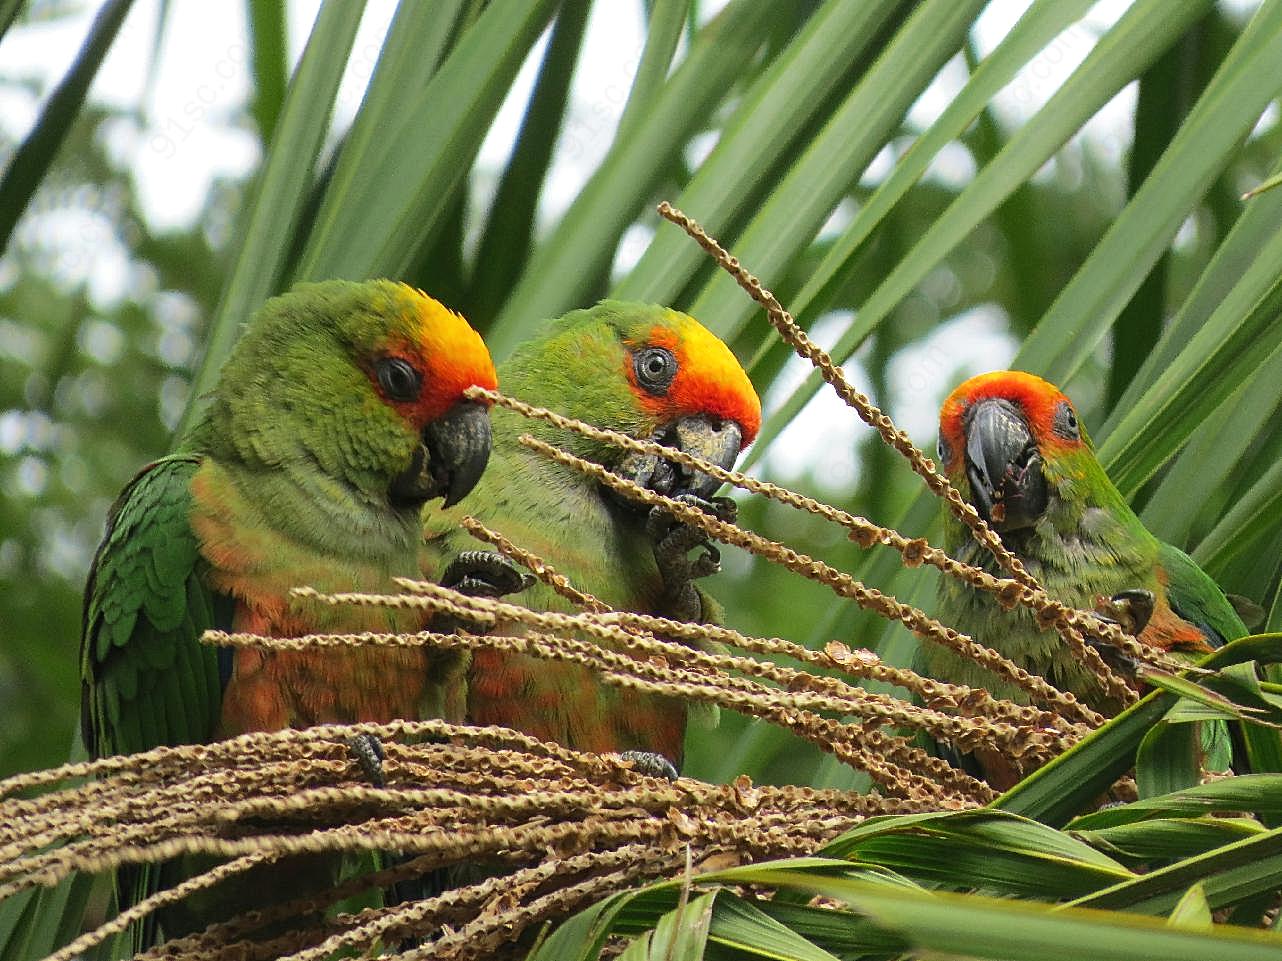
(1123, 664)
(659, 523)
(1130, 609)
(722, 508)
(670, 533)
(707, 563)
(1121, 609)
(1136, 609)
(678, 538)
(367, 750)
(651, 764)
(672, 541)
(485, 574)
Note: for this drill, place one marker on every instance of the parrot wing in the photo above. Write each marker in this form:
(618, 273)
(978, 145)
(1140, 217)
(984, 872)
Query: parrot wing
(147, 680)
(1198, 599)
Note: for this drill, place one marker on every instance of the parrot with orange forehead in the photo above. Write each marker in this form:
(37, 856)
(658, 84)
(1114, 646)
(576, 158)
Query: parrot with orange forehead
(1013, 445)
(652, 373)
(338, 415)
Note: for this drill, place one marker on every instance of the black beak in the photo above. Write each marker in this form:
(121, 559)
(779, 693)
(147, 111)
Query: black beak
(1004, 465)
(710, 438)
(451, 458)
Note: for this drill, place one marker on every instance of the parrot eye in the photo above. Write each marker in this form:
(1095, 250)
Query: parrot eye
(1065, 422)
(655, 368)
(398, 379)
(943, 450)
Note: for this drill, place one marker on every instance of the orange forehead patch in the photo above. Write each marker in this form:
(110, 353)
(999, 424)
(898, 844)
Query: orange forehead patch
(709, 379)
(1037, 398)
(450, 355)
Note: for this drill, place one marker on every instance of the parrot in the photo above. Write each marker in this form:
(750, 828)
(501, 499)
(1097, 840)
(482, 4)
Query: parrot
(652, 373)
(338, 415)
(1013, 446)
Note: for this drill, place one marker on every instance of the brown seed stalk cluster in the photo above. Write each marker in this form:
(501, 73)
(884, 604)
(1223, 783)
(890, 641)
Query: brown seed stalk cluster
(561, 827)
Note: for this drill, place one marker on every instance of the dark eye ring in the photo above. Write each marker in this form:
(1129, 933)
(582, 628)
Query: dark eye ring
(1065, 423)
(655, 367)
(941, 448)
(398, 379)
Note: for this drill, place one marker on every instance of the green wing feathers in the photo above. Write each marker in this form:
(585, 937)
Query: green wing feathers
(146, 679)
(1197, 598)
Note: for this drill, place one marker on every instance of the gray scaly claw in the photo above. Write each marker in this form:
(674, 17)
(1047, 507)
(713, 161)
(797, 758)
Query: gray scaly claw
(673, 541)
(485, 574)
(651, 764)
(367, 750)
(1131, 611)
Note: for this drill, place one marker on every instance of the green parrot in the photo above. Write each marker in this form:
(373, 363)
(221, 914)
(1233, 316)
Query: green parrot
(646, 371)
(1012, 444)
(338, 415)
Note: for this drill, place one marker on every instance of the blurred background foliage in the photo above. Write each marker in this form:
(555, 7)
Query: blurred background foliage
(111, 322)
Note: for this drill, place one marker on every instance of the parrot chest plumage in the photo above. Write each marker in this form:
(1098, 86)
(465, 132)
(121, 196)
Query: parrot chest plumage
(1095, 557)
(601, 547)
(250, 560)
(645, 371)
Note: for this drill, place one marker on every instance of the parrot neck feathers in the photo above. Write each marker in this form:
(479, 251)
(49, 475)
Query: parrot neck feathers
(1086, 525)
(311, 509)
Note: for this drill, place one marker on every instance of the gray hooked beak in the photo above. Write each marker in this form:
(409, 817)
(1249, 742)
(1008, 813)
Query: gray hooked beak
(1004, 465)
(712, 439)
(451, 458)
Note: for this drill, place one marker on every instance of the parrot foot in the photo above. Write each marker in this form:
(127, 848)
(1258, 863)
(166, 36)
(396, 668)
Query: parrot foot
(485, 574)
(1130, 610)
(369, 755)
(651, 764)
(660, 522)
(1123, 664)
(673, 541)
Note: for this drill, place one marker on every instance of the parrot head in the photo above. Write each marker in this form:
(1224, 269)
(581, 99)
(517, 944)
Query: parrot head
(364, 381)
(1013, 445)
(649, 372)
